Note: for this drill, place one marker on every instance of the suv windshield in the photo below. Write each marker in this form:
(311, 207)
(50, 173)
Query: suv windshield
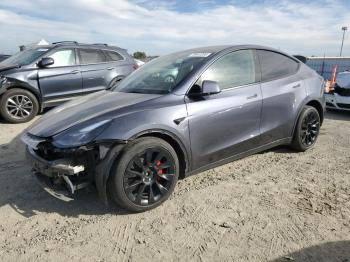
(161, 75)
(24, 57)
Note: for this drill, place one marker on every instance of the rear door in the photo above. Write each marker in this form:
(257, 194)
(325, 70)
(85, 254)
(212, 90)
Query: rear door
(283, 91)
(94, 69)
(119, 66)
(61, 80)
(227, 123)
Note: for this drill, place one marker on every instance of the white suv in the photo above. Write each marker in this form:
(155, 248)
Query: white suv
(340, 97)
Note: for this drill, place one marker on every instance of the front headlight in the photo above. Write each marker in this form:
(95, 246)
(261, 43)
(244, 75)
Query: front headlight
(80, 135)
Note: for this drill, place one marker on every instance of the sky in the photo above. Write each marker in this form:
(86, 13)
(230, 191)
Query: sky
(157, 27)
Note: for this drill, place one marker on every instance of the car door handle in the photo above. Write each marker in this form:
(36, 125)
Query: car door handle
(253, 96)
(75, 72)
(296, 86)
(110, 68)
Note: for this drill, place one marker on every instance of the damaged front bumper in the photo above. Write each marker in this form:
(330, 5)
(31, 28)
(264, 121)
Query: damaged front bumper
(60, 178)
(62, 172)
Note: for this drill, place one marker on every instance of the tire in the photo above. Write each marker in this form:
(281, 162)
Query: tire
(129, 177)
(307, 129)
(18, 106)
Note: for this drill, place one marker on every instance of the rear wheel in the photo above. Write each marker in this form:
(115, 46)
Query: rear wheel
(307, 129)
(145, 175)
(18, 106)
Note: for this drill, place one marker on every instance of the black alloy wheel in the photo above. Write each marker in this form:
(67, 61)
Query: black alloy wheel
(149, 176)
(145, 175)
(307, 129)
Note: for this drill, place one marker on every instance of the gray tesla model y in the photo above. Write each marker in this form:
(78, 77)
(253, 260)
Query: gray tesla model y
(177, 115)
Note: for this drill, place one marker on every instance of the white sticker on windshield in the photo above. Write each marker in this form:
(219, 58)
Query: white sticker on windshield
(199, 55)
(42, 50)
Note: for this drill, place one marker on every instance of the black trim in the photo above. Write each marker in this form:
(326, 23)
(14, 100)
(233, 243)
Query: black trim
(301, 109)
(218, 56)
(347, 106)
(282, 76)
(284, 141)
(188, 157)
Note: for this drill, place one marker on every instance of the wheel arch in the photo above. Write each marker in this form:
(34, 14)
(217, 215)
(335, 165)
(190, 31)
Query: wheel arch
(175, 142)
(37, 96)
(117, 78)
(102, 174)
(314, 103)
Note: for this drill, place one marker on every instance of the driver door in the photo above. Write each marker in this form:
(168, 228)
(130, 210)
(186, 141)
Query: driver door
(62, 80)
(227, 123)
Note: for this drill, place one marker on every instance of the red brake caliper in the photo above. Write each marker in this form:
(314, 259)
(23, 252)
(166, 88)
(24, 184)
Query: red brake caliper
(160, 171)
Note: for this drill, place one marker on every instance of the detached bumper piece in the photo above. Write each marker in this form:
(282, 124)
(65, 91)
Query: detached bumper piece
(61, 177)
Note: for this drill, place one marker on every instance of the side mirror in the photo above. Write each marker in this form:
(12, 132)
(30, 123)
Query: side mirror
(46, 61)
(210, 88)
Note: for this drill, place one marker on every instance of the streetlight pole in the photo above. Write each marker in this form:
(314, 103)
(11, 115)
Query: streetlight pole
(344, 28)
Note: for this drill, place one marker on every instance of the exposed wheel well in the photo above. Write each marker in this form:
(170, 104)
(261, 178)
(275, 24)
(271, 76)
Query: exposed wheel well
(318, 107)
(177, 147)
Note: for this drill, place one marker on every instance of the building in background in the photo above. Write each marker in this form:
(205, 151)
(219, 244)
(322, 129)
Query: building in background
(324, 65)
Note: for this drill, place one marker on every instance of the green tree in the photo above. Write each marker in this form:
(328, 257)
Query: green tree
(140, 55)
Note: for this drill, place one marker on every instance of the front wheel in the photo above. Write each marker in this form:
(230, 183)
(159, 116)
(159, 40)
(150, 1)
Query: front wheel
(18, 106)
(145, 175)
(307, 129)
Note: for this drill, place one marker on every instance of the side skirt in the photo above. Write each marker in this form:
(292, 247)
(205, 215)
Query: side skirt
(284, 141)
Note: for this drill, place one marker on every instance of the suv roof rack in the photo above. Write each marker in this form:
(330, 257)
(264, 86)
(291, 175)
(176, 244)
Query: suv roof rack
(77, 43)
(100, 44)
(65, 42)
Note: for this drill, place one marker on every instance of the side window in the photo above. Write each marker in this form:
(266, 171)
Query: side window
(63, 57)
(234, 69)
(275, 65)
(113, 56)
(91, 56)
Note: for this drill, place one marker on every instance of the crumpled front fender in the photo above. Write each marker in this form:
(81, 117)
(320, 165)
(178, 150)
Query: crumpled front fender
(103, 170)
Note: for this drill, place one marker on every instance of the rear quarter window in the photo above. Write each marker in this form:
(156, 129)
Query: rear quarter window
(275, 65)
(113, 56)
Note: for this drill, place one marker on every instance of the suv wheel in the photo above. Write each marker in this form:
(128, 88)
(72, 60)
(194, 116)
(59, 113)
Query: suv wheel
(18, 106)
(145, 175)
(307, 129)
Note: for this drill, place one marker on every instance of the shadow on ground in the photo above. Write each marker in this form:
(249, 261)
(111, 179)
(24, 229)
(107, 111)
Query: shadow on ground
(329, 252)
(337, 115)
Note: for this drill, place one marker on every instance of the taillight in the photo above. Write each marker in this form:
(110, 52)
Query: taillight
(135, 66)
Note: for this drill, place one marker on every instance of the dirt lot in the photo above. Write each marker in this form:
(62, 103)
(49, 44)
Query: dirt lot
(274, 206)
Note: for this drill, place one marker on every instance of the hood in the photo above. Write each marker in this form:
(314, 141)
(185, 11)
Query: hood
(84, 109)
(343, 80)
(4, 67)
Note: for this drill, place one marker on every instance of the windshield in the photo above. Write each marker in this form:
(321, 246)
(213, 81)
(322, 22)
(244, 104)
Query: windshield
(24, 57)
(161, 75)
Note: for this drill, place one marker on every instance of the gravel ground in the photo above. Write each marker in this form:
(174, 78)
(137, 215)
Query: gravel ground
(275, 206)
